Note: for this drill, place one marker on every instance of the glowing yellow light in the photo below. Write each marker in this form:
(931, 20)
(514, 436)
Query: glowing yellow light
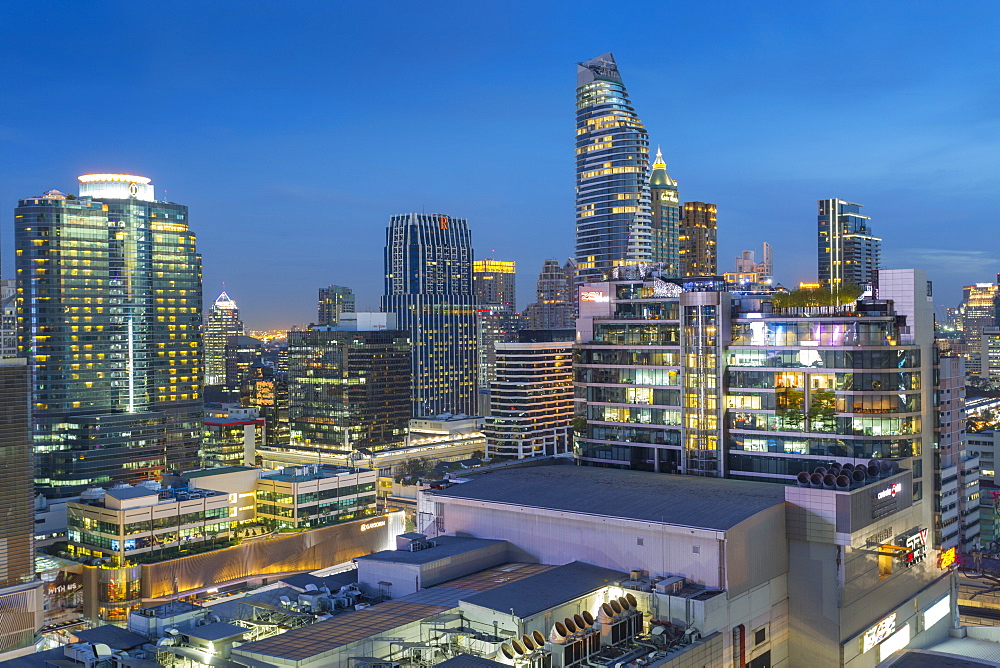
(126, 178)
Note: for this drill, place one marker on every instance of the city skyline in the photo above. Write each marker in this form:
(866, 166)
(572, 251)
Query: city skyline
(742, 125)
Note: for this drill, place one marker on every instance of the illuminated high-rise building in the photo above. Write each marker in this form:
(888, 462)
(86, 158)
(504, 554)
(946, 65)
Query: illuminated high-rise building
(223, 321)
(496, 317)
(848, 250)
(333, 300)
(613, 218)
(555, 302)
(666, 218)
(698, 251)
(428, 285)
(109, 318)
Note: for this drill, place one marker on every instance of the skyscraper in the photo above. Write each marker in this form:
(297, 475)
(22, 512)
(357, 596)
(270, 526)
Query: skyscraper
(428, 285)
(666, 217)
(849, 252)
(613, 219)
(496, 318)
(109, 297)
(555, 302)
(698, 251)
(334, 300)
(349, 388)
(20, 593)
(223, 321)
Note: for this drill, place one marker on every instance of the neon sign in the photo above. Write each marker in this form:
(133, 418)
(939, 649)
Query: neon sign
(879, 632)
(947, 558)
(593, 296)
(892, 490)
(373, 525)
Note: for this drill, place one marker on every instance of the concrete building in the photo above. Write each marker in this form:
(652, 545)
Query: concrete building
(555, 298)
(957, 470)
(232, 436)
(838, 575)
(531, 399)
(699, 252)
(221, 323)
(333, 302)
(21, 606)
(497, 319)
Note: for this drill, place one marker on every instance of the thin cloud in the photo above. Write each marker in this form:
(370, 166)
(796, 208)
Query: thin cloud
(975, 264)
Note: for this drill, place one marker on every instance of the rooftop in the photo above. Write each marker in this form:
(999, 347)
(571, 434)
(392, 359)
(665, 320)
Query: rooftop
(546, 590)
(112, 636)
(342, 630)
(447, 546)
(690, 501)
(220, 470)
(215, 632)
(469, 661)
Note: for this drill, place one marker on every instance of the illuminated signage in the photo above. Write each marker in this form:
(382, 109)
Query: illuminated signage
(947, 558)
(879, 632)
(593, 296)
(937, 612)
(892, 490)
(916, 546)
(373, 525)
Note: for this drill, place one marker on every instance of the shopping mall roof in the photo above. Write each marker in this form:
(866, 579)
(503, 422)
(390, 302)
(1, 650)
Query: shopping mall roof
(690, 501)
(326, 636)
(551, 588)
(445, 546)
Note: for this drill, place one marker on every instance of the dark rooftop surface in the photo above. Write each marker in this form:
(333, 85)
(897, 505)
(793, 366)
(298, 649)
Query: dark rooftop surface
(691, 501)
(333, 582)
(113, 636)
(447, 546)
(132, 492)
(215, 632)
(929, 659)
(221, 470)
(547, 589)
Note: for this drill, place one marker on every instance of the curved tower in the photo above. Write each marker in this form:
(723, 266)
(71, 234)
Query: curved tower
(613, 221)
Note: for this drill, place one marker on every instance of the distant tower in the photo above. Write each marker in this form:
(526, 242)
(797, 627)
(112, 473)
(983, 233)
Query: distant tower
(222, 322)
(848, 250)
(699, 255)
(428, 285)
(666, 207)
(555, 304)
(613, 221)
(334, 300)
(496, 318)
(746, 263)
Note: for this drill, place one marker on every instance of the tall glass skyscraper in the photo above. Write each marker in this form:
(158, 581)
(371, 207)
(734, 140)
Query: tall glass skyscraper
(223, 321)
(109, 297)
(613, 217)
(428, 285)
(333, 300)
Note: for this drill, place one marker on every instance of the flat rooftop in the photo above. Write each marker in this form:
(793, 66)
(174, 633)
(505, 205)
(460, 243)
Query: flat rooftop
(689, 501)
(221, 470)
(447, 546)
(545, 590)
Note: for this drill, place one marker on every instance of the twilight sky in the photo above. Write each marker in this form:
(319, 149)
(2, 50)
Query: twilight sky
(293, 130)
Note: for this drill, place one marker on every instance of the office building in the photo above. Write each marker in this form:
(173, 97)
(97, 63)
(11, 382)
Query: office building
(349, 389)
(496, 317)
(222, 322)
(555, 302)
(747, 263)
(109, 303)
(334, 300)
(531, 397)
(957, 471)
(232, 436)
(428, 285)
(849, 251)
(267, 391)
(684, 377)
(21, 607)
(977, 314)
(613, 217)
(666, 217)
(8, 318)
(698, 251)
(243, 355)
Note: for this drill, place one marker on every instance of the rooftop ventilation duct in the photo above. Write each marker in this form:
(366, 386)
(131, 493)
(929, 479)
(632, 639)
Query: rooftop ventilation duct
(843, 483)
(803, 479)
(528, 643)
(587, 617)
(580, 623)
(829, 481)
(539, 638)
(816, 481)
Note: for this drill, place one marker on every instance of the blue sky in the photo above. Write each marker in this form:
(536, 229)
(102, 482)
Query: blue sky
(293, 130)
